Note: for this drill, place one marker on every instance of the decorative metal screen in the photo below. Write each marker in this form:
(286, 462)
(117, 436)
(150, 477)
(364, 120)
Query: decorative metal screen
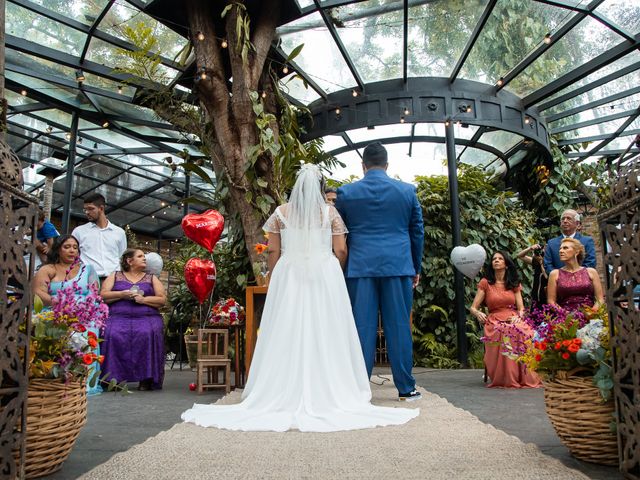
(17, 222)
(621, 238)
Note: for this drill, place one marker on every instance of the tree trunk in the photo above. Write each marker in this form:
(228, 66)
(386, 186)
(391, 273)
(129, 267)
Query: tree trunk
(234, 131)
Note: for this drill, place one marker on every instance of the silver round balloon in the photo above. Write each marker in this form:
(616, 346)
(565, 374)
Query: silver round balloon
(154, 263)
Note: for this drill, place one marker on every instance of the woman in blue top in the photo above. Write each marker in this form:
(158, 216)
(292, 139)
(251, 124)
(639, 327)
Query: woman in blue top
(61, 270)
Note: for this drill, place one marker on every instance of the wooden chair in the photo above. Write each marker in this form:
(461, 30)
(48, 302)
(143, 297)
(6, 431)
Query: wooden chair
(213, 354)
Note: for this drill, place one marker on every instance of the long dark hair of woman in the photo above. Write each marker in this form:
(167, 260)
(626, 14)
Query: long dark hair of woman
(511, 275)
(54, 254)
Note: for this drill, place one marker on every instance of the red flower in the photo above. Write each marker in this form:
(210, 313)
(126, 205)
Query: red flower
(87, 359)
(558, 345)
(573, 348)
(538, 357)
(93, 343)
(225, 309)
(565, 356)
(543, 346)
(566, 343)
(231, 302)
(80, 328)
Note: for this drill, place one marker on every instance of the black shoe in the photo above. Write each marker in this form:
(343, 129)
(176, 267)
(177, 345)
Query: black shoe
(412, 396)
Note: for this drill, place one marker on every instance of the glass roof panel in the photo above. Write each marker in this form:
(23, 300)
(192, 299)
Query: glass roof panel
(508, 36)
(115, 139)
(474, 156)
(15, 99)
(619, 64)
(109, 85)
(500, 139)
(333, 142)
(623, 104)
(66, 95)
(599, 129)
(585, 41)
(134, 182)
(84, 11)
(31, 177)
(293, 86)
(624, 13)
(54, 116)
(304, 3)
(432, 52)
(332, 74)
(154, 132)
(381, 131)
(109, 55)
(621, 84)
(16, 142)
(26, 24)
(91, 167)
(124, 15)
(430, 129)
(34, 63)
(465, 132)
(372, 33)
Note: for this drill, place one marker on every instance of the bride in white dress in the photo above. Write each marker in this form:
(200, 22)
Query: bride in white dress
(307, 371)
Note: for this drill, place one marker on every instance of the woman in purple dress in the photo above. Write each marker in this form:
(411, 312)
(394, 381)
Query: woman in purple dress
(133, 344)
(573, 285)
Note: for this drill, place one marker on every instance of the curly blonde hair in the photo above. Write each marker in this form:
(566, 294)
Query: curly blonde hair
(577, 246)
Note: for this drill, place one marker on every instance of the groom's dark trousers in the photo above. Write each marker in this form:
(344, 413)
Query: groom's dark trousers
(385, 242)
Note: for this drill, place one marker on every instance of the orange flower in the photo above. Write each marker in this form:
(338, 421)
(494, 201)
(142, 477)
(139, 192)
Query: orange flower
(101, 359)
(566, 343)
(558, 345)
(93, 343)
(573, 348)
(87, 359)
(260, 248)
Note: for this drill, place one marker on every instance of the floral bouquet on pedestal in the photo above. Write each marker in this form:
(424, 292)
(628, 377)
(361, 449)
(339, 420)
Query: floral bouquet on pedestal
(564, 340)
(260, 269)
(226, 313)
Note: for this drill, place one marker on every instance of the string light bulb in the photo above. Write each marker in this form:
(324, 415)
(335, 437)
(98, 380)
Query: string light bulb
(406, 111)
(203, 73)
(337, 111)
(105, 124)
(354, 93)
(224, 43)
(119, 89)
(49, 129)
(469, 109)
(401, 119)
(547, 39)
(527, 120)
(447, 123)
(23, 92)
(264, 94)
(500, 82)
(200, 36)
(285, 69)
(80, 76)
(67, 136)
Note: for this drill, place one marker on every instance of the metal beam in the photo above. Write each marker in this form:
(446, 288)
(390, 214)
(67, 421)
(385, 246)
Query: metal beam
(472, 40)
(615, 134)
(405, 39)
(590, 86)
(594, 138)
(68, 184)
(612, 26)
(610, 56)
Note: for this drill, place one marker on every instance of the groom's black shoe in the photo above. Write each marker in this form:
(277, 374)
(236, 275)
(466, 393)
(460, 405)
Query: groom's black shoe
(412, 396)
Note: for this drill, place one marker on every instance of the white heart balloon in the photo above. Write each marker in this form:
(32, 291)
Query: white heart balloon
(469, 260)
(154, 263)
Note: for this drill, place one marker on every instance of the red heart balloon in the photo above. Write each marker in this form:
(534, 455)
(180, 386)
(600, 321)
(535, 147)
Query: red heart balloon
(200, 276)
(204, 228)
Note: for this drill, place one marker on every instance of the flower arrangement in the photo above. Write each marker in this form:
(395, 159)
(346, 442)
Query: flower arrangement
(226, 312)
(61, 345)
(564, 340)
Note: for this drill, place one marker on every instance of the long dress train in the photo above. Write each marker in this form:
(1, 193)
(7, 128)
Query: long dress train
(307, 372)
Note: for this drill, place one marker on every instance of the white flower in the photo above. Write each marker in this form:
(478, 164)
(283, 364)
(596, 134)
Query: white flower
(590, 335)
(78, 341)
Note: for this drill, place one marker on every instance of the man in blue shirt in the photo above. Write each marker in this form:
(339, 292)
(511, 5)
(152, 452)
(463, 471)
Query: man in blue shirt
(45, 235)
(569, 226)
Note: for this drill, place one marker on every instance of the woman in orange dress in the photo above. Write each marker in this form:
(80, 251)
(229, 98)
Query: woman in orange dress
(501, 292)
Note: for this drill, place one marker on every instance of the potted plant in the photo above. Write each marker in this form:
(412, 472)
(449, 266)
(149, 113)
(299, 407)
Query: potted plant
(570, 351)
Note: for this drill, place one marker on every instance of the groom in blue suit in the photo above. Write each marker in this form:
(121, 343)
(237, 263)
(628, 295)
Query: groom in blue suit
(385, 242)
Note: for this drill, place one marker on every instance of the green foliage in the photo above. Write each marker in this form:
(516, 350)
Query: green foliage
(143, 62)
(490, 217)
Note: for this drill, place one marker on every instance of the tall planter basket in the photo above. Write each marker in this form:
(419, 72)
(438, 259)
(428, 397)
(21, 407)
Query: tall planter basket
(56, 412)
(581, 419)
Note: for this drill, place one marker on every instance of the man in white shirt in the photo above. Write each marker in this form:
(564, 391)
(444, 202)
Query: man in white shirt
(101, 242)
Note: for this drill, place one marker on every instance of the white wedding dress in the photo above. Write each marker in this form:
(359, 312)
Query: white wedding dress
(307, 371)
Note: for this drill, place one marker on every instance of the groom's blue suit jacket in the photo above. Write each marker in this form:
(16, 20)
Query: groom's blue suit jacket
(386, 232)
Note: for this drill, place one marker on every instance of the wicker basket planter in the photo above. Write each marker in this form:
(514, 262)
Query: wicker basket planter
(581, 419)
(55, 414)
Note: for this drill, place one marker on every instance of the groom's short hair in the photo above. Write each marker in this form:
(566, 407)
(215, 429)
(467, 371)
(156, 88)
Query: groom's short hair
(374, 155)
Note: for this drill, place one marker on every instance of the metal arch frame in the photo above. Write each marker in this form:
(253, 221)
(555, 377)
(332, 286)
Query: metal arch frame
(502, 111)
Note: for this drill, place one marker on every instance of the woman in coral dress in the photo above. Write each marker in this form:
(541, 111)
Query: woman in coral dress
(501, 292)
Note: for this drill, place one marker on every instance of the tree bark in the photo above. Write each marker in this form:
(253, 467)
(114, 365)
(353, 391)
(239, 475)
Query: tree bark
(233, 121)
